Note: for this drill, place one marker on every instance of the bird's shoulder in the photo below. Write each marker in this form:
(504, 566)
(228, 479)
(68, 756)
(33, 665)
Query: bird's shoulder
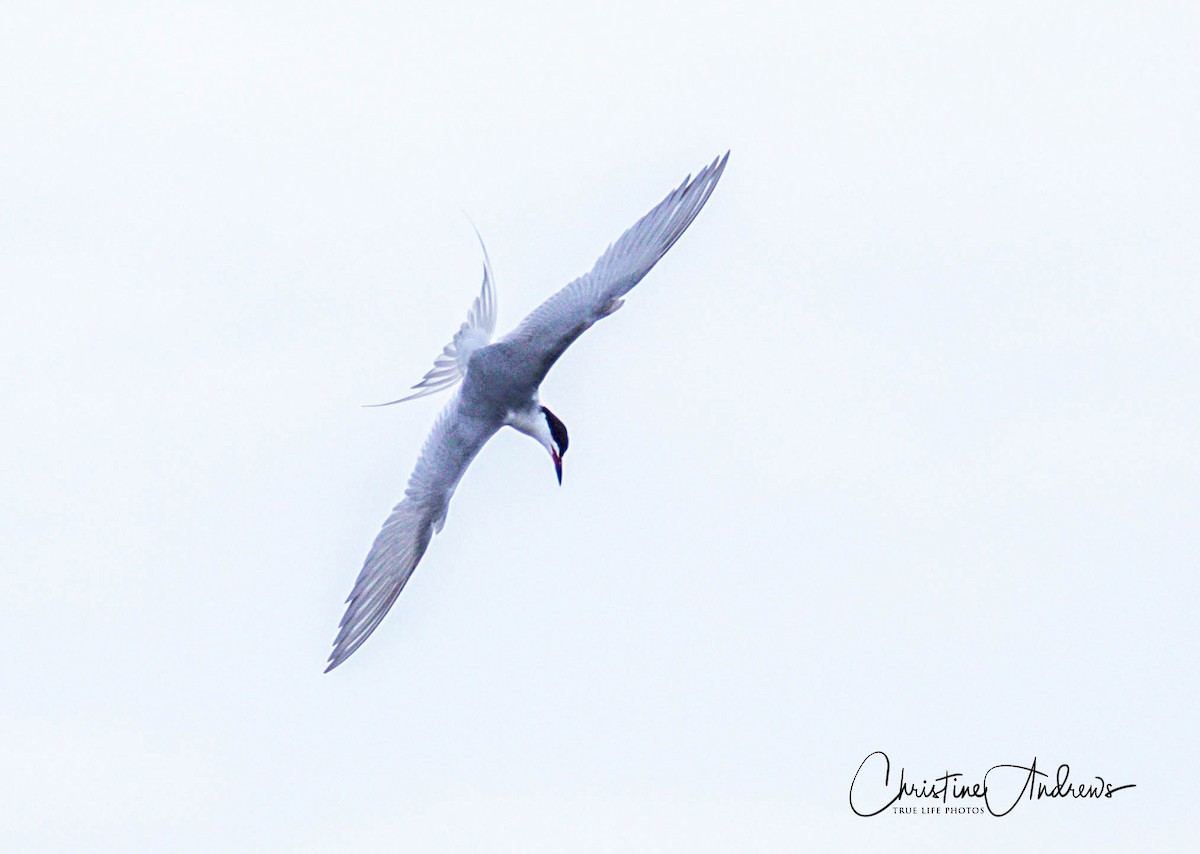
(505, 373)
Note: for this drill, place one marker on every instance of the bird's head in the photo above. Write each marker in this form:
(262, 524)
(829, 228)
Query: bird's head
(555, 439)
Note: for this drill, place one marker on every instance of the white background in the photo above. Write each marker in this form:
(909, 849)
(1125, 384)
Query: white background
(896, 449)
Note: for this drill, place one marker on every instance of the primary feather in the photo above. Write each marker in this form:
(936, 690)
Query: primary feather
(554, 325)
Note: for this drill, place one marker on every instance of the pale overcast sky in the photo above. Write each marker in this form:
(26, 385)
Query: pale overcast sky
(895, 450)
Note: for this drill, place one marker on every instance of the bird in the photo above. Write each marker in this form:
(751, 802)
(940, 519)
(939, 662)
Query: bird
(499, 388)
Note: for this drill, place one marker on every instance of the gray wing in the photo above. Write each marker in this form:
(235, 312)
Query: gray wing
(554, 325)
(454, 441)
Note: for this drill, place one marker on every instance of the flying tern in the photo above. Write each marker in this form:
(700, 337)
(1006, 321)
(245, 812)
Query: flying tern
(499, 388)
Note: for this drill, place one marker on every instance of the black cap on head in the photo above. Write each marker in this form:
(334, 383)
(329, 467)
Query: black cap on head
(558, 431)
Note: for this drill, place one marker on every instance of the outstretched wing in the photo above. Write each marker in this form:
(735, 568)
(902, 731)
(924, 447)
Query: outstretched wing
(454, 441)
(450, 366)
(552, 327)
